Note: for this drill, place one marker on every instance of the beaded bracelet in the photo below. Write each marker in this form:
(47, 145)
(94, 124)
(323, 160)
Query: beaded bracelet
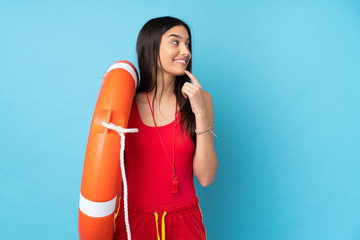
(208, 129)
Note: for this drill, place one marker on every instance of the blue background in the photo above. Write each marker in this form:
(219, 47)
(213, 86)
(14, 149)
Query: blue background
(284, 77)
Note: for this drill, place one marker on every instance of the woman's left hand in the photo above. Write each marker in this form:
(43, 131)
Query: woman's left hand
(193, 91)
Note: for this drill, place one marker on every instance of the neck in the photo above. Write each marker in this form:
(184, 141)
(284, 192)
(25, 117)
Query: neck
(166, 84)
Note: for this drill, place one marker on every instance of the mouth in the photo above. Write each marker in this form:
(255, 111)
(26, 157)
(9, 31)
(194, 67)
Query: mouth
(181, 61)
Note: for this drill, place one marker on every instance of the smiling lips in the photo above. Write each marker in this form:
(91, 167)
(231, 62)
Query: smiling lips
(181, 61)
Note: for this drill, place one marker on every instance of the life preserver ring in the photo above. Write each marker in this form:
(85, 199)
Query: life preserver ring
(101, 180)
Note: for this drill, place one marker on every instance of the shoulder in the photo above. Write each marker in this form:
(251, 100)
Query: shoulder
(141, 99)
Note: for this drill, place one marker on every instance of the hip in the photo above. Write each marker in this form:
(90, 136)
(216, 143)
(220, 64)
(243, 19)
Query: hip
(183, 220)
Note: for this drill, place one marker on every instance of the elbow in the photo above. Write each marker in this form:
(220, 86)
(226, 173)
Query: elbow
(207, 182)
(206, 176)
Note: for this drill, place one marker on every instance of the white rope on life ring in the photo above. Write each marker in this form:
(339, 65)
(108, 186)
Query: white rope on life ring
(121, 132)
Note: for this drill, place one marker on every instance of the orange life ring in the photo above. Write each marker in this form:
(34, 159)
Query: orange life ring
(101, 180)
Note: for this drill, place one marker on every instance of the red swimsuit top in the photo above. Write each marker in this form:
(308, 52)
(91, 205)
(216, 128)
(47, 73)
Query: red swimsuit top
(148, 171)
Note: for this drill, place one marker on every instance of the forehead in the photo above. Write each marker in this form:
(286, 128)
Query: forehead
(179, 30)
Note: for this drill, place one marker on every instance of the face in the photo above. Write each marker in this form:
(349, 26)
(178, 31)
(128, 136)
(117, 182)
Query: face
(174, 51)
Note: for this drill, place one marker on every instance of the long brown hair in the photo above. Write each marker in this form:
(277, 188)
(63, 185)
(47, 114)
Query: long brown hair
(147, 48)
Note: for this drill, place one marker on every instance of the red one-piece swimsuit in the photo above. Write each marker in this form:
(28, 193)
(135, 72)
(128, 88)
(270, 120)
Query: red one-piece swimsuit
(154, 211)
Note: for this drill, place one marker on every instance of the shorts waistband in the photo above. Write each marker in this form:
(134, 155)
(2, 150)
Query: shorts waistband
(177, 208)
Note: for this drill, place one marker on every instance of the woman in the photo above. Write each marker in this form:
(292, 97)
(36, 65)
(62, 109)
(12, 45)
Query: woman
(161, 158)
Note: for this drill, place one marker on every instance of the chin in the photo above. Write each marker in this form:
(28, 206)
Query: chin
(176, 71)
(179, 72)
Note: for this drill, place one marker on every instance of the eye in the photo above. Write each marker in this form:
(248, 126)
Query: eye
(188, 45)
(175, 42)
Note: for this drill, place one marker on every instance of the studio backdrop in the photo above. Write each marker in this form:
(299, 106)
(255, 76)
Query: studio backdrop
(284, 79)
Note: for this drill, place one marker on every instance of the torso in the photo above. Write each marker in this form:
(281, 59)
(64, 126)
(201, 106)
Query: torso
(148, 168)
(166, 116)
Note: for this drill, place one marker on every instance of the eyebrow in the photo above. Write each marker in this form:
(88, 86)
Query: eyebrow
(177, 36)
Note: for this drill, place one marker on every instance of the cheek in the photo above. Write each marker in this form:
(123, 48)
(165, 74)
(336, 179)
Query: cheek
(162, 58)
(167, 59)
(164, 55)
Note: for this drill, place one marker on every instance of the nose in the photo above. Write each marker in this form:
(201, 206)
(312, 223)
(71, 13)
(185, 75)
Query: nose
(185, 51)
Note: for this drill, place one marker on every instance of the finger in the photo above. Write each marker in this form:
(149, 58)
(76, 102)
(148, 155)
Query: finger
(193, 78)
(192, 86)
(183, 89)
(189, 91)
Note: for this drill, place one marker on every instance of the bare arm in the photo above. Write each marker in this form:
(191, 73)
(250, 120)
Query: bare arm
(205, 160)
